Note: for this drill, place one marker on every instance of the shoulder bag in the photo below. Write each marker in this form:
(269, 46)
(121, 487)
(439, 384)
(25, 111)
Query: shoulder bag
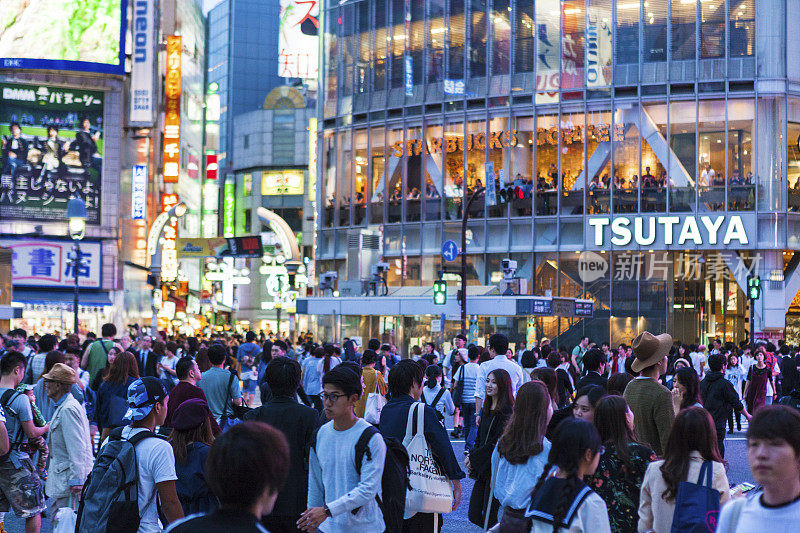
(430, 490)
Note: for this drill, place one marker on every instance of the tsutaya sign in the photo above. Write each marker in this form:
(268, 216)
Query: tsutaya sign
(670, 231)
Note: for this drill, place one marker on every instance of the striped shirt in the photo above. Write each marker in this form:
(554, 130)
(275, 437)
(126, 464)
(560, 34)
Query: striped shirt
(468, 373)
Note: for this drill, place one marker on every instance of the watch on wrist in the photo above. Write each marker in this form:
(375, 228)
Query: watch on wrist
(327, 511)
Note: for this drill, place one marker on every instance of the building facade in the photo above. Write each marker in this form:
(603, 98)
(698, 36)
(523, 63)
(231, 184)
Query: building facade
(653, 148)
(242, 60)
(271, 171)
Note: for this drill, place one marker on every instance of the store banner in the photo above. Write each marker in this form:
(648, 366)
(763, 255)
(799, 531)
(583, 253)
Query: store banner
(491, 190)
(172, 113)
(229, 207)
(52, 150)
(599, 47)
(139, 192)
(142, 63)
(48, 263)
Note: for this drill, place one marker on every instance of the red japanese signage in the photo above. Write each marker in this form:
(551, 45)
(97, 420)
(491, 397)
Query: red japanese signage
(212, 167)
(172, 113)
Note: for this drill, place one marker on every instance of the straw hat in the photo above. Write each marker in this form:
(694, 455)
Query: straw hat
(60, 373)
(650, 349)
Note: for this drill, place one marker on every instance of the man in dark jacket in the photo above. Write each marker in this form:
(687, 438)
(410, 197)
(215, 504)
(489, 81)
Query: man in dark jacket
(719, 397)
(594, 364)
(405, 389)
(298, 423)
(790, 377)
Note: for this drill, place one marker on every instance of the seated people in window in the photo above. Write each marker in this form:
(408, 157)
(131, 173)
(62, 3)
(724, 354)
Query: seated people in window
(606, 181)
(634, 181)
(737, 178)
(413, 194)
(541, 183)
(648, 180)
(749, 179)
(396, 196)
(707, 176)
(430, 191)
(596, 184)
(619, 183)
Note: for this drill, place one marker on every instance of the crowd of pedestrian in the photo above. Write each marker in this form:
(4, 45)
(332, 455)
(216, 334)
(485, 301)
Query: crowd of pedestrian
(353, 439)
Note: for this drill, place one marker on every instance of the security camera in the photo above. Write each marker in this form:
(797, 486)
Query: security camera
(508, 264)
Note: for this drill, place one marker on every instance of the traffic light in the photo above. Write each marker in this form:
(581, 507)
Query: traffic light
(753, 287)
(439, 292)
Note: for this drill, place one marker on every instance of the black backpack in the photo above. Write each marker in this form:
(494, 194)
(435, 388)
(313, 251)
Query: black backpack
(110, 498)
(433, 404)
(394, 481)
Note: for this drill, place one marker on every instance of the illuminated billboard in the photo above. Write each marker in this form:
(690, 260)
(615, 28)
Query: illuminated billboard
(52, 150)
(63, 35)
(298, 39)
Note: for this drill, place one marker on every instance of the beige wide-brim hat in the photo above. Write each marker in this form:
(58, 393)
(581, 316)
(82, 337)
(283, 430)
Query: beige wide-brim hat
(650, 349)
(60, 373)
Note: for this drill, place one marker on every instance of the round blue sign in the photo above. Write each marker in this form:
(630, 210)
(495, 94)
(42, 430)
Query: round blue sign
(449, 251)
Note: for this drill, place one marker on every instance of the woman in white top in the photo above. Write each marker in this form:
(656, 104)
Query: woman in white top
(560, 501)
(691, 442)
(329, 361)
(434, 395)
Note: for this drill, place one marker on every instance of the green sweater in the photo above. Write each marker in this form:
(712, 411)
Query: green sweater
(651, 404)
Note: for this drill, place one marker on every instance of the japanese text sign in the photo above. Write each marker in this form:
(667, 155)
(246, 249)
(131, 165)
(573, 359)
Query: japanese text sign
(48, 263)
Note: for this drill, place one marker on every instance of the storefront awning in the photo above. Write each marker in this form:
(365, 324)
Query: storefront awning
(45, 297)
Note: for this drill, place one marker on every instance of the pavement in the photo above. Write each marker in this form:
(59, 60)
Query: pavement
(457, 521)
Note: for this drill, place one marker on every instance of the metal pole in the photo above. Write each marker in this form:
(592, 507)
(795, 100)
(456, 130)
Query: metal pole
(464, 218)
(75, 266)
(752, 321)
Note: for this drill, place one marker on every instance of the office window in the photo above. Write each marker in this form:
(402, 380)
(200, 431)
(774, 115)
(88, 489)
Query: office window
(742, 28)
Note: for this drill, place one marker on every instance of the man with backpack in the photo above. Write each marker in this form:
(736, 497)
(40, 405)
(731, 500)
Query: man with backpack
(344, 487)
(405, 389)
(218, 386)
(20, 483)
(135, 455)
(96, 355)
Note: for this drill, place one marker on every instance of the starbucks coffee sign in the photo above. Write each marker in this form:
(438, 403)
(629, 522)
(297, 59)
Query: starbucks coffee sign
(670, 232)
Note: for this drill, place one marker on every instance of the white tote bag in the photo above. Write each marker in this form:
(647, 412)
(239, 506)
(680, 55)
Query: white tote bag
(430, 491)
(374, 406)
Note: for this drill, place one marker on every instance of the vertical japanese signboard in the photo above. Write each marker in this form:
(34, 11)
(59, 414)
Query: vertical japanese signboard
(212, 166)
(298, 39)
(52, 150)
(139, 192)
(142, 63)
(169, 252)
(172, 116)
(312, 159)
(228, 207)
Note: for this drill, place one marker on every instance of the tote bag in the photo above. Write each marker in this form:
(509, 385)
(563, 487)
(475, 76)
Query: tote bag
(430, 491)
(374, 405)
(696, 504)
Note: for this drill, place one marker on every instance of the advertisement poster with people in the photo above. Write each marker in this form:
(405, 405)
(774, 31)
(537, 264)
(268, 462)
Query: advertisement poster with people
(52, 150)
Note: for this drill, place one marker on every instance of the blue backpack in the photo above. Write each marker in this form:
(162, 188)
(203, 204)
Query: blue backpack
(696, 504)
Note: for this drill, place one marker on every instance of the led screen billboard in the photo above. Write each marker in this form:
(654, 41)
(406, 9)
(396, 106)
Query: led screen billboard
(52, 150)
(63, 35)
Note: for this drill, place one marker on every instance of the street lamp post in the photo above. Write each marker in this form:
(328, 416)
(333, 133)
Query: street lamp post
(76, 215)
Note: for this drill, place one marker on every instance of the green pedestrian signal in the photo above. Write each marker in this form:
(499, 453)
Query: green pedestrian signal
(440, 292)
(753, 287)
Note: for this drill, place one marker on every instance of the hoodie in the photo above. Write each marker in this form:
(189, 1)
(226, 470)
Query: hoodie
(719, 398)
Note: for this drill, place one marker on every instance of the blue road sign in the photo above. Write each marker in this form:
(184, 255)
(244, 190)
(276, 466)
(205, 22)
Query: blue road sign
(449, 251)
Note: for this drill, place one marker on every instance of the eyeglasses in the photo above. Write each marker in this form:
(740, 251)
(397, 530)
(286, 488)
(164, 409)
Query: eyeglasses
(333, 398)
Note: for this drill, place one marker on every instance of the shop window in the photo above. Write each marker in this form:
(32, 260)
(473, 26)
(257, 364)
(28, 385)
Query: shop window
(453, 153)
(624, 184)
(478, 38)
(547, 176)
(741, 28)
(433, 171)
(380, 47)
(413, 187)
(476, 147)
(377, 142)
(572, 137)
(360, 176)
(793, 162)
(501, 38)
(393, 187)
(344, 177)
(712, 29)
(741, 186)
(455, 40)
(572, 44)
(328, 152)
(523, 52)
(655, 31)
(627, 41)
(522, 164)
(684, 176)
(684, 15)
(437, 27)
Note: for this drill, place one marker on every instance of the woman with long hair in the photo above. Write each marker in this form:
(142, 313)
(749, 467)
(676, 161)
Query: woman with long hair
(735, 374)
(583, 407)
(618, 478)
(549, 377)
(457, 360)
(329, 361)
(521, 453)
(497, 408)
(112, 396)
(191, 440)
(758, 378)
(692, 441)
(560, 501)
(686, 389)
(435, 395)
